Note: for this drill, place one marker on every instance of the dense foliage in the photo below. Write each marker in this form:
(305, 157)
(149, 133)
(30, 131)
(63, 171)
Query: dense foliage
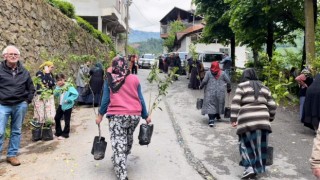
(175, 26)
(65, 7)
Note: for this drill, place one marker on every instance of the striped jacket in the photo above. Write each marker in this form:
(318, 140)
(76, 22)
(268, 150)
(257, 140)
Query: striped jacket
(251, 114)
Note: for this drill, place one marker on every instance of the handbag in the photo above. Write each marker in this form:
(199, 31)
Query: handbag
(269, 160)
(99, 146)
(145, 134)
(227, 110)
(199, 103)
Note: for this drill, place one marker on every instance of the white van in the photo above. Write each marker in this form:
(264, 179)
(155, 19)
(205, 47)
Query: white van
(208, 57)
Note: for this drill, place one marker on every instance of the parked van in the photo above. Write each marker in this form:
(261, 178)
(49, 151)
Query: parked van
(208, 57)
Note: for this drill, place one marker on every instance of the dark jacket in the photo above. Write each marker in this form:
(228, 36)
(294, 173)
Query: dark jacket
(15, 89)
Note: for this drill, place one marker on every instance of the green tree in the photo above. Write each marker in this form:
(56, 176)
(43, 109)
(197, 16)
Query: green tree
(217, 19)
(175, 26)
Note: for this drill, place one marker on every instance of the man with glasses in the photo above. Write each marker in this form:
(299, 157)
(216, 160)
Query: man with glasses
(16, 92)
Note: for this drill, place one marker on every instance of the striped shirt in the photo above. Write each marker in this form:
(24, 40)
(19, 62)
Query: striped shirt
(251, 114)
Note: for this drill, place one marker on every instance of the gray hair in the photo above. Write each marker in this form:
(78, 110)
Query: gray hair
(10, 46)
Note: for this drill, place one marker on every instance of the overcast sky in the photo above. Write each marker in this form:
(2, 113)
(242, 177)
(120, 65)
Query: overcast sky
(146, 14)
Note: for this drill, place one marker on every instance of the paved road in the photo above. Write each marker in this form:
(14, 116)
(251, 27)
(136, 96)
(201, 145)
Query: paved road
(183, 146)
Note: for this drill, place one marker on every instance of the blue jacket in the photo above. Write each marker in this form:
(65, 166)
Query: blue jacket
(69, 97)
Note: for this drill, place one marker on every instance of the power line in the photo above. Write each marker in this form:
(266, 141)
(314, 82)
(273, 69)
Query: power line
(141, 13)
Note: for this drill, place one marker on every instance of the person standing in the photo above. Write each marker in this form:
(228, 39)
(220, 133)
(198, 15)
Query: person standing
(44, 107)
(214, 92)
(16, 92)
(252, 110)
(96, 83)
(304, 80)
(124, 104)
(82, 74)
(133, 64)
(227, 64)
(67, 95)
(311, 108)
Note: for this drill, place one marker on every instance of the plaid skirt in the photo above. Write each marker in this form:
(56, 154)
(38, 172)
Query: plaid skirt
(253, 149)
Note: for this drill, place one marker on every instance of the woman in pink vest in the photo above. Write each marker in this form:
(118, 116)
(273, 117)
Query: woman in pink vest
(124, 104)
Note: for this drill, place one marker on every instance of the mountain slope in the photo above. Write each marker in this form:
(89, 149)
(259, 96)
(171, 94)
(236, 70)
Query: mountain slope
(140, 36)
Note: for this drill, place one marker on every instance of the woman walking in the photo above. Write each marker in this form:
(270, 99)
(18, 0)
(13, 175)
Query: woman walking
(311, 115)
(252, 110)
(124, 104)
(96, 83)
(214, 92)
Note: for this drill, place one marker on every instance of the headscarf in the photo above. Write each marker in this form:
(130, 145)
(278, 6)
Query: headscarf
(47, 63)
(251, 75)
(215, 69)
(118, 75)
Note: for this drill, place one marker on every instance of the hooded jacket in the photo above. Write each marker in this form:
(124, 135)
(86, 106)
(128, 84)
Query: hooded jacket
(17, 88)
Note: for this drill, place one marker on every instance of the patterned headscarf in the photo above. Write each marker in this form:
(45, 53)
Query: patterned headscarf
(215, 69)
(118, 75)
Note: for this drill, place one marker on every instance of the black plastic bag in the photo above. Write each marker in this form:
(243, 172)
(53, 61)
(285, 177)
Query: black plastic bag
(47, 134)
(86, 90)
(227, 112)
(199, 103)
(269, 160)
(145, 134)
(36, 134)
(99, 146)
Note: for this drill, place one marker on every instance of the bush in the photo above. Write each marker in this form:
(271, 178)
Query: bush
(65, 7)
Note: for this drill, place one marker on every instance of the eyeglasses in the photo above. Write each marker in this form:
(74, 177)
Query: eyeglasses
(13, 54)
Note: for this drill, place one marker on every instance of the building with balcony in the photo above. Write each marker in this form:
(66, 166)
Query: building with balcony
(108, 16)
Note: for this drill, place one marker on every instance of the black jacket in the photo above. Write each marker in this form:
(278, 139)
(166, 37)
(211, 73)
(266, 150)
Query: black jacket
(15, 89)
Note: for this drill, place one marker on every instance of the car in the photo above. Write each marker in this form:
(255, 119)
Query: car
(208, 57)
(146, 61)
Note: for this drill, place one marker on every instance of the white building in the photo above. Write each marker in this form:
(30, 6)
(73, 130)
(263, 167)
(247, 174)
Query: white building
(108, 16)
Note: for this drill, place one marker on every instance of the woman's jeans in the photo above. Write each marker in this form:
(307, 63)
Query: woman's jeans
(17, 114)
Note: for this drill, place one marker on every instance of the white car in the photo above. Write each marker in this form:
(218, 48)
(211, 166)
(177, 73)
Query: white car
(208, 57)
(146, 61)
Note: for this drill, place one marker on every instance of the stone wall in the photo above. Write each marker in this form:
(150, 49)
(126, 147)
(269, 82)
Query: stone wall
(36, 27)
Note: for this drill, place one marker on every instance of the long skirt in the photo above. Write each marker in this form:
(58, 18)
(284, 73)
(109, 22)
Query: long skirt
(121, 129)
(44, 109)
(253, 150)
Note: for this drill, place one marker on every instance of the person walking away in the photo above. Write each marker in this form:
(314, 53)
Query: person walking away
(177, 64)
(67, 95)
(161, 65)
(170, 60)
(82, 74)
(190, 63)
(133, 64)
(252, 110)
(304, 80)
(16, 92)
(311, 108)
(124, 104)
(197, 75)
(214, 92)
(227, 64)
(44, 107)
(96, 83)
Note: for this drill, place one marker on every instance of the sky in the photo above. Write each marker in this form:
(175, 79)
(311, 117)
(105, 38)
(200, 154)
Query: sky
(146, 14)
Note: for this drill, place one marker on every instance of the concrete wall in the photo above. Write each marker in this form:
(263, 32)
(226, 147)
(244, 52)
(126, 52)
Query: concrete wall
(36, 27)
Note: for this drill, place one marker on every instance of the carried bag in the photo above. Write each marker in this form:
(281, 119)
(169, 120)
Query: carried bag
(145, 134)
(199, 103)
(86, 90)
(269, 160)
(227, 110)
(99, 146)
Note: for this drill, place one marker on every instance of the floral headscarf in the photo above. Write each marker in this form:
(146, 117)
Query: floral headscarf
(215, 69)
(118, 75)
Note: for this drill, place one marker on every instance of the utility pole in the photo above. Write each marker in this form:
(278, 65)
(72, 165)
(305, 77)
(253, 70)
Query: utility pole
(127, 4)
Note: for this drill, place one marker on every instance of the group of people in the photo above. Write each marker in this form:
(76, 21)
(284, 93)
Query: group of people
(167, 64)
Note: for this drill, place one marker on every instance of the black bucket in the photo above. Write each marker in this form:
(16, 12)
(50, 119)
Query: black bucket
(269, 160)
(47, 134)
(99, 146)
(36, 134)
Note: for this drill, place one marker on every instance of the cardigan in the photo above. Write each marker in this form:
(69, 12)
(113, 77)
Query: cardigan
(251, 114)
(69, 98)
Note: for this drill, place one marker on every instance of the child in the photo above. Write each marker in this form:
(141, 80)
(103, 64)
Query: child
(67, 95)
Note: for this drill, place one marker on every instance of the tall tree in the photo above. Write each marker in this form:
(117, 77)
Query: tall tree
(217, 20)
(309, 30)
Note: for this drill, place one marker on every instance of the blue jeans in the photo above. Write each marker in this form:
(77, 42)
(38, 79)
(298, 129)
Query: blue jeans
(17, 113)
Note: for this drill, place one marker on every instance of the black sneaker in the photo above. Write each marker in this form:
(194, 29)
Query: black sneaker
(211, 123)
(248, 174)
